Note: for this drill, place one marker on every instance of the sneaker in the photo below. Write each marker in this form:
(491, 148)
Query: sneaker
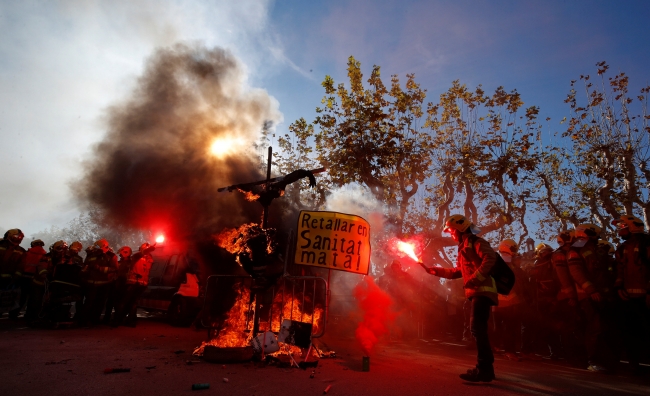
(476, 375)
(530, 356)
(511, 356)
(596, 368)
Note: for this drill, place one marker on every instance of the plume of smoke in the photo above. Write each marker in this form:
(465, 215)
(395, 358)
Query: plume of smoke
(154, 168)
(376, 306)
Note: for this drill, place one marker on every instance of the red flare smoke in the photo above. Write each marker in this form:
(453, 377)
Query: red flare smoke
(377, 314)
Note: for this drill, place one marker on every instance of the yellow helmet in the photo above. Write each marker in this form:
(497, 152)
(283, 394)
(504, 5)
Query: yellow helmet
(602, 243)
(633, 224)
(542, 249)
(14, 236)
(566, 237)
(508, 246)
(587, 230)
(457, 222)
(76, 246)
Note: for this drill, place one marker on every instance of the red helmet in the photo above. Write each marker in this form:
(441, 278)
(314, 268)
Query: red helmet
(14, 236)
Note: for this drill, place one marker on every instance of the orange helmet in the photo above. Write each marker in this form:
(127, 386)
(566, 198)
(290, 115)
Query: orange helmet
(587, 230)
(76, 246)
(59, 247)
(458, 222)
(14, 236)
(508, 246)
(633, 224)
(102, 244)
(37, 242)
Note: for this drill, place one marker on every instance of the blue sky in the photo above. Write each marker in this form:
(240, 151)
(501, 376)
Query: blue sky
(62, 63)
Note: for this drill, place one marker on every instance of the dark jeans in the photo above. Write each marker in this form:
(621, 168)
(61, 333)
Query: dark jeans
(480, 315)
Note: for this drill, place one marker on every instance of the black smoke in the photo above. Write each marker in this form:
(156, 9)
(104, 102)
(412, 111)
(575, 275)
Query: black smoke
(154, 170)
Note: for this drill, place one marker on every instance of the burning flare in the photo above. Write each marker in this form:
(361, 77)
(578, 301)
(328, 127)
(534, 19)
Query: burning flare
(408, 249)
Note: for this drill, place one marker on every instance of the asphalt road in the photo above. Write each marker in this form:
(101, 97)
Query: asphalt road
(72, 362)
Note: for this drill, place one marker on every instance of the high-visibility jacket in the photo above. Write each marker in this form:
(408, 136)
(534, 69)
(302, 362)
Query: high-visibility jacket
(29, 264)
(567, 286)
(474, 263)
(46, 267)
(100, 268)
(581, 261)
(10, 257)
(519, 293)
(139, 273)
(633, 265)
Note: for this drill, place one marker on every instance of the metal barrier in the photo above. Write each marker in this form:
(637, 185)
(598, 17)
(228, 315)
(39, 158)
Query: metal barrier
(299, 298)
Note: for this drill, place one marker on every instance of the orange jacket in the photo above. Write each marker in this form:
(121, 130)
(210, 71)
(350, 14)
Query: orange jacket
(567, 286)
(139, 273)
(474, 263)
(10, 258)
(633, 265)
(29, 264)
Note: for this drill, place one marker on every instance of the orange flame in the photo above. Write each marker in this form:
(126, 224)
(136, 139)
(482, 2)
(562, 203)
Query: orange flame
(249, 196)
(408, 249)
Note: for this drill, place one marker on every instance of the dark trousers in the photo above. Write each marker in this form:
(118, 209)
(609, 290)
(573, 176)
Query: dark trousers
(540, 329)
(115, 295)
(35, 303)
(480, 315)
(508, 327)
(592, 328)
(128, 304)
(25, 284)
(95, 299)
(635, 329)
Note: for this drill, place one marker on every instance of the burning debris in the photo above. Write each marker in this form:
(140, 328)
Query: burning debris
(253, 246)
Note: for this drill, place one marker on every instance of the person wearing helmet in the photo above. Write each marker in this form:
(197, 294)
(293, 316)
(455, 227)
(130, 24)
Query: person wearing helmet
(100, 269)
(633, 284)
(474, 262)
(136, 283)
(26, 271)
(118, 290)
(73, 253)
(567, 310)
(11, 253)
(508, 313)
(589, 272)
(44, 274)
(546, 287)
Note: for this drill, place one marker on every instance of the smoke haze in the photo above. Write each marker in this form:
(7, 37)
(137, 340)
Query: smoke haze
(155, 170)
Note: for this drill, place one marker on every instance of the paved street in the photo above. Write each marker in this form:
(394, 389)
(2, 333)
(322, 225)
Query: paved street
(72, 362)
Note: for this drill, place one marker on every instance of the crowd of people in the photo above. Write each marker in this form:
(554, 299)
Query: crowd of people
(103, 287)
(585, 301)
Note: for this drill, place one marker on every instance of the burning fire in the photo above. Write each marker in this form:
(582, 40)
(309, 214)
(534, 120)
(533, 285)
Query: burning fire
(249, 196)
(408, 249)
(235, 241)
(239, 319)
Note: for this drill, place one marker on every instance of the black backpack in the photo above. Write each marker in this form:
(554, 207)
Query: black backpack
(503, 276)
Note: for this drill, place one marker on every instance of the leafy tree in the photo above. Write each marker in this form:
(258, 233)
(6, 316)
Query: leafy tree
(374, 136)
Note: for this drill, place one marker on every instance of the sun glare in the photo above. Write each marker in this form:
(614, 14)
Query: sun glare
(224, 146)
